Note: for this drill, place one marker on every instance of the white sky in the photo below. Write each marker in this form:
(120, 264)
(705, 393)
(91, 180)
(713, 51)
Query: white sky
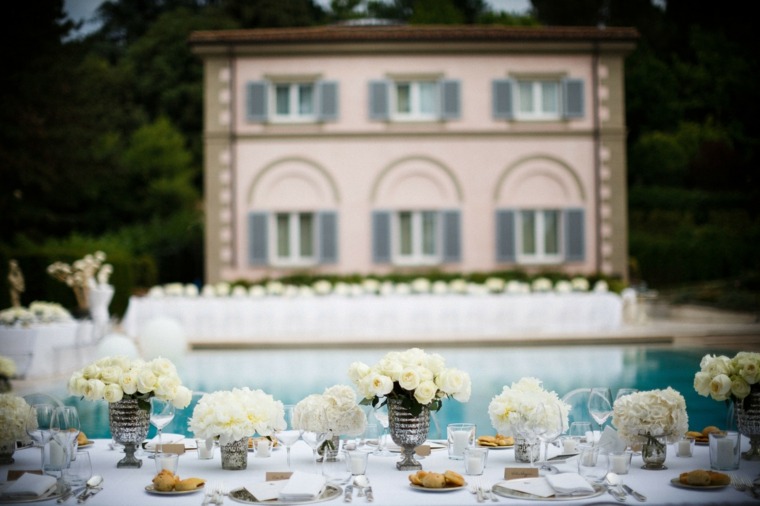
(83, 10)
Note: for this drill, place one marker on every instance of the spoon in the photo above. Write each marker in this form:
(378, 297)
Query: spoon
(361, 481)
(91, 485)
(614, 480)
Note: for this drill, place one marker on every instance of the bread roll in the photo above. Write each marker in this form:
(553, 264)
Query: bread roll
(453, 479)
(189, 484)
(164, 481)
(434, 480)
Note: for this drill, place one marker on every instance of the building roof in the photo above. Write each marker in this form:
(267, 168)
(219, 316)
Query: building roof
(341, 34)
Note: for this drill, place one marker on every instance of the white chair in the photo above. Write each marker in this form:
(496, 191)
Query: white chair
(578, 401)
(42, 398)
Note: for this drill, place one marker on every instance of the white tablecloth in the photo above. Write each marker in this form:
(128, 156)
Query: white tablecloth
(397, 317)
(46, 350)
(391, 487)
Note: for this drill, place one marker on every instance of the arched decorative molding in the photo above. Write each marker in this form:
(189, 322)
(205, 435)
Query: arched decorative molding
(313, 174)
(419, 166)
(554, 169)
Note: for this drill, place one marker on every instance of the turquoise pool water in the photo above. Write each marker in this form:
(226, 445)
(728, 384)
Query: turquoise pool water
(290, 375)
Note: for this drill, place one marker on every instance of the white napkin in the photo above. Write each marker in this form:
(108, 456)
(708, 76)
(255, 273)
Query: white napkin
(569, 483)
(166, 439)
(266, 490)
(302, 487)
(534, 486)
(610, 440)
(30, 485)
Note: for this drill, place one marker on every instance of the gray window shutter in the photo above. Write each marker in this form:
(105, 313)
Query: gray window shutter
(257, 238)
(572, 91)
(502, 99)
(506, 245)
(381, 237)
(379, 108)
(450, 108)
(575, 250)
(452, 232)
(256, 104)
(328, 237)
(328, 100)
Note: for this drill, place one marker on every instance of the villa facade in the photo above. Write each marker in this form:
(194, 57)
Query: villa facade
(397, 148)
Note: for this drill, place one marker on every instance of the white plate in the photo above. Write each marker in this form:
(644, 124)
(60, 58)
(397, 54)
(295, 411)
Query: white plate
(17, 500)
(89, 443)
(677, 483)
(444, 489)
(151, 490)
(514, 494)
(511, 447)
(240, 495)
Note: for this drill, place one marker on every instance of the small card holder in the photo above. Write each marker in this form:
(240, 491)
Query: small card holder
(275, 476)
(513, 473)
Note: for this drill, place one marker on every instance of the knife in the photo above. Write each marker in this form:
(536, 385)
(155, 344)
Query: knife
(368, 493)
(87, 494)
(638, 496)
(348, 494)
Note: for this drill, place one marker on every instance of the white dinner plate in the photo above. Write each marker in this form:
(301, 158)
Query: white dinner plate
(242, 495)
(677, 483)
(89, 443)
(444, 489)
(514, 494)
(152, 490)
(510, 447)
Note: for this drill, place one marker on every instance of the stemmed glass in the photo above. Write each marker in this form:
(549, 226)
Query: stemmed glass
(161, 413)
(625, 391)
(600, 405)
(314, 440)
(381, 415)
(64, 428)
(555, 426)
(290, 434)
(530, 428)
(38, 427)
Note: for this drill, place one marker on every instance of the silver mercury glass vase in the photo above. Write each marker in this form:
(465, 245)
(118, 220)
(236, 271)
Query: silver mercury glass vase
(408, 431)
(654, 451)
(235, 455)
(747, 413)
(129, 426)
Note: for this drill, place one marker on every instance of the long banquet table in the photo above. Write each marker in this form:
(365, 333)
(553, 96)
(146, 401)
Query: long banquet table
(391, 487)
(395, 317)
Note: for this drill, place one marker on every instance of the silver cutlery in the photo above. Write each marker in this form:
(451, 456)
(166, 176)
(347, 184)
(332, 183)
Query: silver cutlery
(365, 488)
(639, 496)
(348, 493)
(90, 486)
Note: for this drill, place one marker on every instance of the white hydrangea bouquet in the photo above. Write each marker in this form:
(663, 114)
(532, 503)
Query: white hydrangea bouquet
(724, 378)
(14, 413)
(119, 377)
(37, 312)
(231, 415)
(642, 415)
(414, 377)
(516, 407)
(335, 411)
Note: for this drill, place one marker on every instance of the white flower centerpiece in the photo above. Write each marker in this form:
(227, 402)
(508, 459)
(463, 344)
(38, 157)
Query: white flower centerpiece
(14, 413)
(7, 371)
(735, 379)
(651, 417)
(515, 412)
(333, 413)
(232, 416)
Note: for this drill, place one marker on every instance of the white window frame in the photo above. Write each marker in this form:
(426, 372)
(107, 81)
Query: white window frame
(294, 114)
(294, 237)
(540, 256)
(538, 95)
(415, 100)
(417, 255)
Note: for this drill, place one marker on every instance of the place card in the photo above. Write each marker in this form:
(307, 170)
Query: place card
(275, 476)
(514, 473)
(178, 448)
(422, 450)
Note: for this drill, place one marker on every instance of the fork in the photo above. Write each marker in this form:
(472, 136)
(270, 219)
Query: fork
(209, 494)
(488, 492)
(474, 488)
(219, 493)
(740, 483)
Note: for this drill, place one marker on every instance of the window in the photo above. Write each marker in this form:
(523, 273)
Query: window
(414, 100)
(416, 237)
(308, 101)
(294, 101)
(539, 234)
(292, 238)
(538, 99)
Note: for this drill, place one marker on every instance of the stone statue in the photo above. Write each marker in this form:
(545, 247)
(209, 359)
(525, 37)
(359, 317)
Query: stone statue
(16, 282)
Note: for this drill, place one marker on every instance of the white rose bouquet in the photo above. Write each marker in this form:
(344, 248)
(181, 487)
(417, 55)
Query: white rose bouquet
(231, 415)
(516, 407)
(641, 415)
(115, 378)
(7, 366)
(335, 411)
(14, 413)
(723, 378)
(416, 378)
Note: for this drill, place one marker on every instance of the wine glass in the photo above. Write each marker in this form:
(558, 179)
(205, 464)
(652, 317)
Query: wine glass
(314, 440)
(38, 427)
(625, 391)
(555, 426)
(381, 415)
(600, 405)
(64, 429)
(161, 413)
(529, 430)
(290, 434)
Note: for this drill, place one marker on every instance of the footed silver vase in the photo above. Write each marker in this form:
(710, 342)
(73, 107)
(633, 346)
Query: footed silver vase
(408, 431)
(747, 413)
(129, 426)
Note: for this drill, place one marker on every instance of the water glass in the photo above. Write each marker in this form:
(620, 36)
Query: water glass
(685, 447)
(580, 431)
(620, 461)
(357, 461)
(335, 467)
(264, 448)
(168, 461)
(460, 436)
(79, 470)
(475, 460)
(724, 450)
(205, 448)
(593, 463)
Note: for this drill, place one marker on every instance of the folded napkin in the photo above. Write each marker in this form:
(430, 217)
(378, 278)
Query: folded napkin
(266, 490)
(166, 439)
(569, 483)
(30, 485)
(302, 486)
(610, 440)
(534, 486)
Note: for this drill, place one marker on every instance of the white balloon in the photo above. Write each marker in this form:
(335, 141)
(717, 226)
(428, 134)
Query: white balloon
(117, 344)
(163, 337)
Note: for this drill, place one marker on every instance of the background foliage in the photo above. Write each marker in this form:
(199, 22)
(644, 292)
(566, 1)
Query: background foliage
(101, 136)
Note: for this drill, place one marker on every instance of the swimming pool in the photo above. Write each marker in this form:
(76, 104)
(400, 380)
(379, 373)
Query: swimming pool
(292, 374)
